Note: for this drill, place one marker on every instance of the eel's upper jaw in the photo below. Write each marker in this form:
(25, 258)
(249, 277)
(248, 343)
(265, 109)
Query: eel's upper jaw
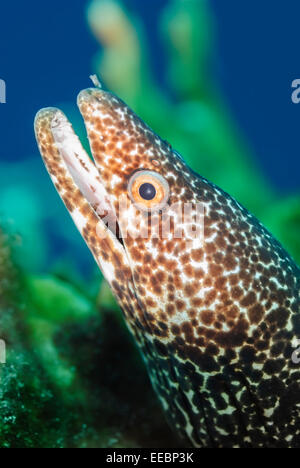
(78, 182)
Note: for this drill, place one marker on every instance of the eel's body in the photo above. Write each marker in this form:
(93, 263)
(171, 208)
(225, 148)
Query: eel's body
(218, 318)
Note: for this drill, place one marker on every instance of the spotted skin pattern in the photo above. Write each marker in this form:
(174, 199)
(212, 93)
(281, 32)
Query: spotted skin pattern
(216, 318)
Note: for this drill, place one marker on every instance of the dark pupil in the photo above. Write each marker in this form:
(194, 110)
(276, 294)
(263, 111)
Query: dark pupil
(147, 191)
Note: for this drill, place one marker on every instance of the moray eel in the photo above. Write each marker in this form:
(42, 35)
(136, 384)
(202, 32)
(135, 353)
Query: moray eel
(216, 316)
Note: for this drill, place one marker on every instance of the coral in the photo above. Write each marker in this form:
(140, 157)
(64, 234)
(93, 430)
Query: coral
(25, 398)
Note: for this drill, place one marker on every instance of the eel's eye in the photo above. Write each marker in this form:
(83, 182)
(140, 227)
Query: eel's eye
(148, 190)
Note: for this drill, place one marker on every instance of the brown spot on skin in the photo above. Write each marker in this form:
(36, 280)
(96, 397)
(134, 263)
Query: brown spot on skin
(210, 297)
(215, 270)
(161, 259)
(207, 282)
(188, 331)
(175, 329)
(118, 259)
(93, 240)
(256, 313)
(147, 258)
(210, 247)
(212, 349)
(199, 273)
(264, 256)
(214, 216)
(180, 305)
(160, 276)
(192, 314)
(191, 289)
(149, 317)
(185, 258)
(169, 246)
(157, 290)
(233, 312)
(218, 257)
(220, 282)
(225, 298)
(236, 292)
(170, 309)
(151, 303)
(197, 255)
(141, 291)
(220, 242)
(69, 204)
(262, 345)
(229, 262)
(248, 300)
(178, 282)
(197, 302)
(207, 317)
(189, 271)
(170, 265)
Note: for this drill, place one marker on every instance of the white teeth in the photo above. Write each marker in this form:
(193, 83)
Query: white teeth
(80, 166)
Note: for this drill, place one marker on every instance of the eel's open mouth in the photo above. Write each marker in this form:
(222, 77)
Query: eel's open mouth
(79, 184)
(75, 165)
(84, 172)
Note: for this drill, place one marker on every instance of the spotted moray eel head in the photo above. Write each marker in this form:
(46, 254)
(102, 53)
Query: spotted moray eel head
(156, 249)
(215, 313)
(159, 248)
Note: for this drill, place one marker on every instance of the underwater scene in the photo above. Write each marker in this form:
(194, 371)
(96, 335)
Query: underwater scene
(157, 305)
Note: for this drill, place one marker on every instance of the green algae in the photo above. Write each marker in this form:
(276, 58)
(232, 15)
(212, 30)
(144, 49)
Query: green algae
(65, 382)
(25, 400)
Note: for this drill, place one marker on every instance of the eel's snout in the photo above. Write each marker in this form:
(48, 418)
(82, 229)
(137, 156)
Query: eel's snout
(95, 104)
(48, 122)
(87, 95)
(95, 100)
